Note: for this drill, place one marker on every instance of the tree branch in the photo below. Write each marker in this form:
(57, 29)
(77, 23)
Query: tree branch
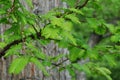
(11, 8)
(58, 64)
(34, 28)
(77, 7)
(83, 5)
(15, 42)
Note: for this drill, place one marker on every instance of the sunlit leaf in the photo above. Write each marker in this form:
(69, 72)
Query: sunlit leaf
(39, 65)
(18, 64)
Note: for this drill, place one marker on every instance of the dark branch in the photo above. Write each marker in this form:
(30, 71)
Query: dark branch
(15, 42)
(58, 64)
(11, 8)
(77, 7)
(83, 5)
(2, 52)
(34, 28)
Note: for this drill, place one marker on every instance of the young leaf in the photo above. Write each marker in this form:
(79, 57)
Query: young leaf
(14, 50)
(76, 11)
(71, 3)
(39, 65)
(82, 67)
(50, 32)
(73, 18)
(104, 71)
(18, 64)
(71, 72)
(29, 2)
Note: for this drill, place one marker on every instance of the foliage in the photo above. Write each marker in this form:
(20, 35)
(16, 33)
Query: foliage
(71, 29)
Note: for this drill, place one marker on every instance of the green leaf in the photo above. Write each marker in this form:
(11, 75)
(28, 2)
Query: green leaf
(22, 17)
(76, 11)
(104, 71)
(2, 12)
(14, 50)
(3, 20)
(68, 37)
(2, 44)
(56, 58)
(18, 64)
(67, 26)
(115, 38)
(73, 18)
(92, 54)
(36, 51)
(110, 60)
(101, 30)
(71, 3)
(14, 28)
(57, 21)
(63, 43)
(71, 71)
(82, 67)
(74, 54)
(13, 17)
(93, 22)
(39, 65)
(50, 32)
(46, 63)
(29, 2)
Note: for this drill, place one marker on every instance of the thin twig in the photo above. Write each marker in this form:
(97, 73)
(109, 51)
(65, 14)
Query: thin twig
(58, 64)
(34, 28)
(83, 5)
(12, 7)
